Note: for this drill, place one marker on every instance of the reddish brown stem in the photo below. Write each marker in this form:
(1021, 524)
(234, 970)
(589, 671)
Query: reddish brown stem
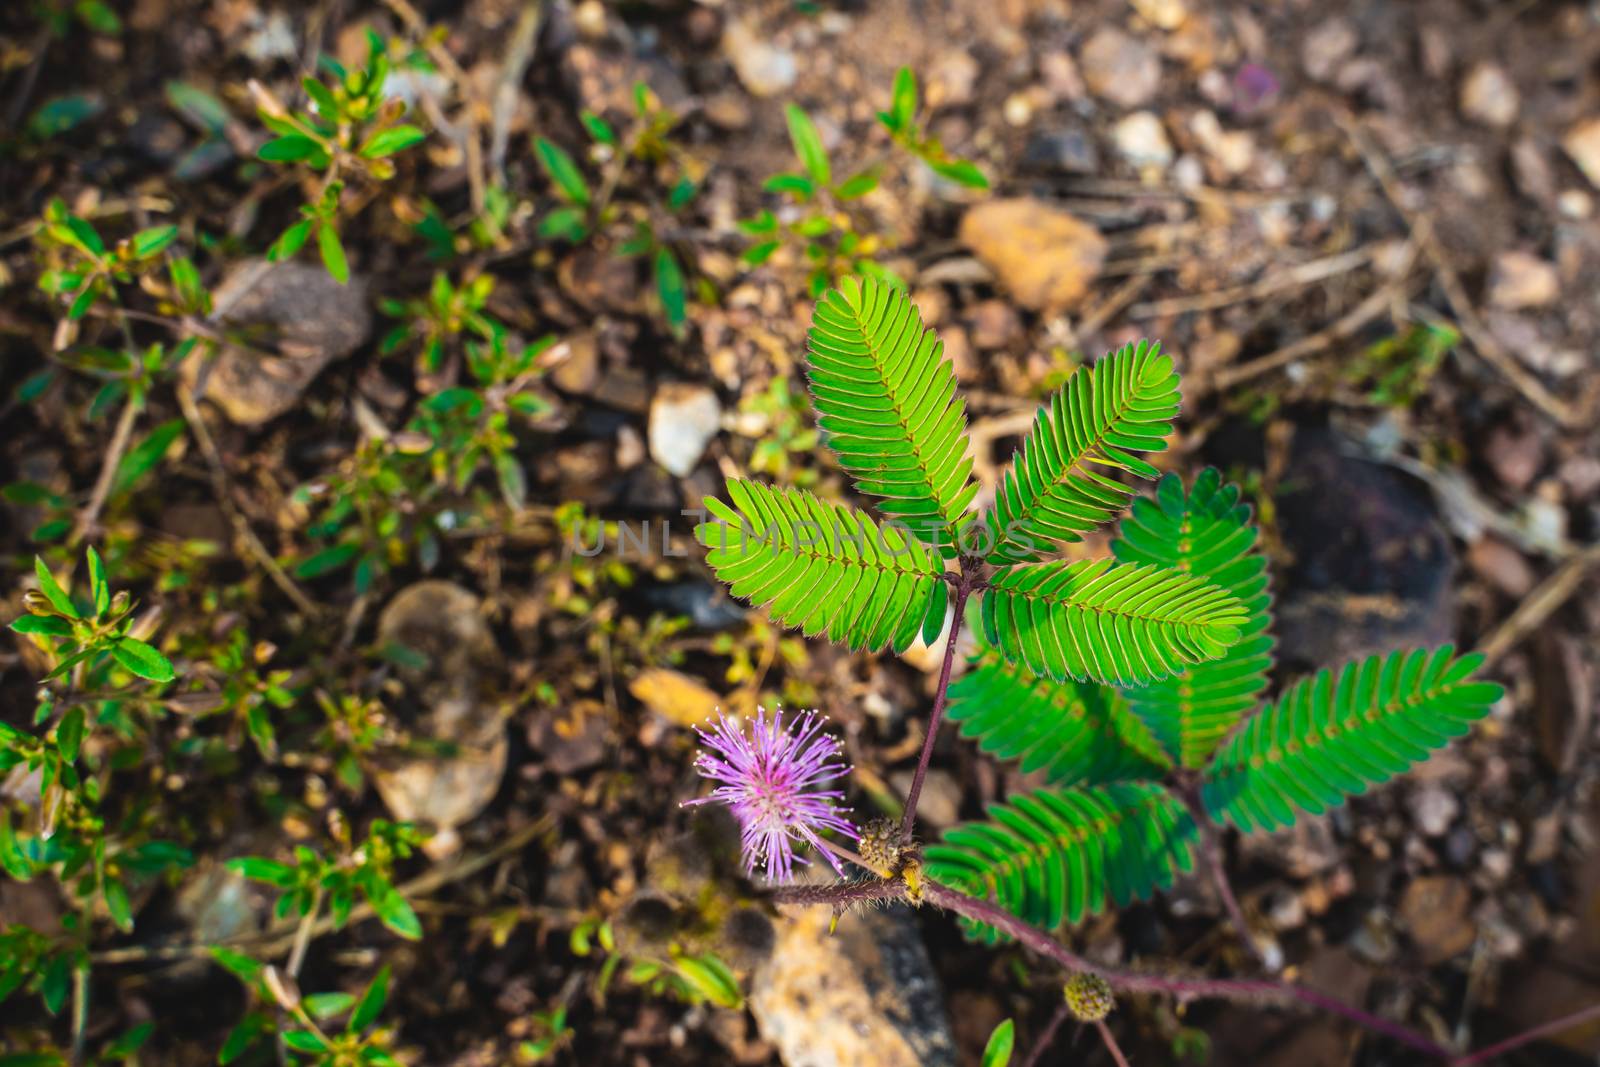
(1554, 1026)
(1036, 1054)
(1183, 988)
(909, 822)
(1111, 1043)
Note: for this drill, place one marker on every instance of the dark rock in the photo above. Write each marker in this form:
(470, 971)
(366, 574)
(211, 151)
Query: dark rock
(1371, 567)
(1068, 151)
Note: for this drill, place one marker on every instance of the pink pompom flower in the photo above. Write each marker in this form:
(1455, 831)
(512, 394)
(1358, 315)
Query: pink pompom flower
(771, 782)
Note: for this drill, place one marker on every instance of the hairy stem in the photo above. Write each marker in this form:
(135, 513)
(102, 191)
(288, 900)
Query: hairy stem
(1554, 1026)
(1183, 988)
(1111, 1043)
(908, 822)
(1036, 1054)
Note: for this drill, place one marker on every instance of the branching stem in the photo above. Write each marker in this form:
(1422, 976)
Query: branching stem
(1042, 1045)
(908, 822)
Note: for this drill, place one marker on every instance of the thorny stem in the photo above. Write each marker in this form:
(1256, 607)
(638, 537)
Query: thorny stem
(1111, 1043)
(908, 822)
(1554, 1026)
(1036, 1054)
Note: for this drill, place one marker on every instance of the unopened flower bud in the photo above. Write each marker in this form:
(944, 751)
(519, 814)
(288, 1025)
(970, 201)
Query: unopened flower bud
(1089, 997)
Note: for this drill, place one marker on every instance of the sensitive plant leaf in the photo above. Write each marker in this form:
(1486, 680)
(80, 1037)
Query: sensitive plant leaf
(562, 170)
(1071, 733)
(1206, 533)
(808, 145)
(1057, 487)
(997, 1052)
(1059, 855)
(1329, 738)
(1118, 623)
(139, 658)
(824, 568)
(885, 397)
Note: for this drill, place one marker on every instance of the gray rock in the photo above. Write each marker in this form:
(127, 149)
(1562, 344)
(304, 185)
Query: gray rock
(292, 320)
(1120, 68)
(865, 995)
(1067, 151)
(683, 420)
(444, 693)
(762, 68)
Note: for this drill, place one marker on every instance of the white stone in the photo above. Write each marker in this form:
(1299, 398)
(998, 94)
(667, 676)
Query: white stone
(683, 420)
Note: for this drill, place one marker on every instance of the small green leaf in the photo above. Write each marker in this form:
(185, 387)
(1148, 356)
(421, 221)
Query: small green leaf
(98, 17)
(513, 482)
(322, 96)
(143, 457)
(130, 1042)
(395, 912)
(329, 559)
(242, 1036)
(858, 186)
(48, 625)
(52, 590)
(903, 102)
(808, 145)
(261, 869)
(98, 587)
(394, 139)
(291, 148)
(598, 128)
(456, 397)
(290, 241)
(69, 734)
(372, 1001)
(759, 254)
(63, 114)
(798, 184)
(711, 979)
(147, 243)
(564, 224)
(141, 659)
(681, 194)
(304, 1041)
(562, 170)
(198, 106)
(997, 1053)
(327, 1005)
(332, 253)
(83, 302)
(238, 964)
(669, 284)
(961, 172)
(117, 904)
(57, 981)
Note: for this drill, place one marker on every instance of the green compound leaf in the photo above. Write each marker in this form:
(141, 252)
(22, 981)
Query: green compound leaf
(825, 568)
(1206, 533)
(1072, 733)
(1118, 623)
(1058, 486)
(1326, 740)
(885, 397)
(1059, 855)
